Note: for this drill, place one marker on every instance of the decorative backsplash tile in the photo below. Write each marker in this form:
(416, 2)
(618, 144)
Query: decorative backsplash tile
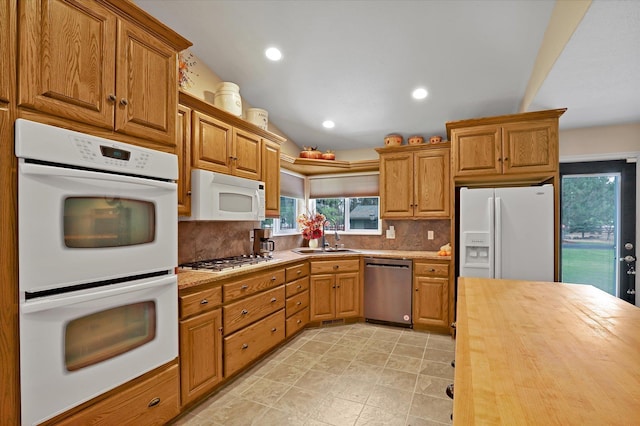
(199, 240)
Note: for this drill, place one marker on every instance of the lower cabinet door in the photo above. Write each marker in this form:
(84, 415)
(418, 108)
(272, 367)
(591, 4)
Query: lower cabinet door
(200, 354)
(322, 297)
(244, 346)
(431, 301)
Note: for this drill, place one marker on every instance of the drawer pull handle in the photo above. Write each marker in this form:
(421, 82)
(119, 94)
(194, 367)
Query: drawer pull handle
(273, 330)
(432, 270)
(273, 278)
(244, 287)
(273, 299)
(244, 312)
(245, 346)
(204, 301)
(298, 322)
(299, 303)
(336, 266)
(153, 402)
(299, 286)
(298, 272)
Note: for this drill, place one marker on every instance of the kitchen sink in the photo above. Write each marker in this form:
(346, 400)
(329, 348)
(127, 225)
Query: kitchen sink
(320, 251)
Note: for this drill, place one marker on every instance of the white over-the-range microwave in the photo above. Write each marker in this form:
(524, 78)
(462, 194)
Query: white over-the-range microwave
(216, 196)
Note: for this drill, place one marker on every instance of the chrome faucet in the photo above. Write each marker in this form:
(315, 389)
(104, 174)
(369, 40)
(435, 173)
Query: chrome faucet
(336, 236)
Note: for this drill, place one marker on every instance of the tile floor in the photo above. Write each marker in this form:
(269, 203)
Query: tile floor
(357, 374)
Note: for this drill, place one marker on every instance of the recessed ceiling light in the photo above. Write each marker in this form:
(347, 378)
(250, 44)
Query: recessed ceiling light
(273, 53)
(328, 124)
(419, 93)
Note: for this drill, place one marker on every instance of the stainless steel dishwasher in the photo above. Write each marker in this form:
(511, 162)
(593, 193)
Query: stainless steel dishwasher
(388, 291)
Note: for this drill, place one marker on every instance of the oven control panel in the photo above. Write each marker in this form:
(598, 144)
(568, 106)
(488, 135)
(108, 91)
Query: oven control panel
(42, 142)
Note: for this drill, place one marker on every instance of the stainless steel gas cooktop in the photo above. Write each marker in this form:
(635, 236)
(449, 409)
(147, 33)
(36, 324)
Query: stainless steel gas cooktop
(225, 263)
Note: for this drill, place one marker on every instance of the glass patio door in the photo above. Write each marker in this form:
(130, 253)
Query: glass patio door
(598, 214)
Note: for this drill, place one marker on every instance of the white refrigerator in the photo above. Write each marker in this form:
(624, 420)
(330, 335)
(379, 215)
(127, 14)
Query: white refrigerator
(507, 233)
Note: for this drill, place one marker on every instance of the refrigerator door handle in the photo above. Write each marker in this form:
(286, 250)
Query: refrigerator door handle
(492, 230)
(498, 238)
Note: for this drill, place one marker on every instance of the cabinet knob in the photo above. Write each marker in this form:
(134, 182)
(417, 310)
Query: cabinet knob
(244, 346)
(221, 330)
(244, 287)
(416, 289)
(432, 270)
(204, 301)
(506, 158)
(500, 160)
(124, 102)
(111, 97)
(273, 278)
(299, 272)
(336, 266)
(273, 299)
(244, 312)
(189, 193)
(334, 286)
(273, 330)
(153, 402)
(299, 286)
(298, 322)
(299, 303)
(338, 286)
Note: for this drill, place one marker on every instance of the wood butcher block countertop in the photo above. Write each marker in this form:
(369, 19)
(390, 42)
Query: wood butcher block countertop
(536, 353)
(189, 278)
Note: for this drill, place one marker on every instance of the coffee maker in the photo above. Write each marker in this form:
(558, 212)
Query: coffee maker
(262, 245)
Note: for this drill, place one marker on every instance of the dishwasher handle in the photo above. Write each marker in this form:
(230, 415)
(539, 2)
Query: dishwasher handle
(385, 265)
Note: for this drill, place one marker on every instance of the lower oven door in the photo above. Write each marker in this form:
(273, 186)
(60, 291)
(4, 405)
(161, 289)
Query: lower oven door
(76, 346)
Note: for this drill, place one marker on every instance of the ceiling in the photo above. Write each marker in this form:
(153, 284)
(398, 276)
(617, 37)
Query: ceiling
(357, 62)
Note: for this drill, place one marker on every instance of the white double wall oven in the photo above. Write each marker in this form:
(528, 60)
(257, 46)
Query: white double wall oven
(97, 223)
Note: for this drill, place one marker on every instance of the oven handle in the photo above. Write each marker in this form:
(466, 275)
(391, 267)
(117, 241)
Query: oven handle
(100, 293)
(37, 169)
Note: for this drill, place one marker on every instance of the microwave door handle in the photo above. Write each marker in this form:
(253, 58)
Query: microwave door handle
(102, 292)
(37, 169)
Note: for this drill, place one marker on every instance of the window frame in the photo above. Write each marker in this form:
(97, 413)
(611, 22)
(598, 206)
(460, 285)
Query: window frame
(348, 230)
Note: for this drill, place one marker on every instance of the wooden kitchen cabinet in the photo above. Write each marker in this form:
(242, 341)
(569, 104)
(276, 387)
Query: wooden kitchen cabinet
(414, 182)
(95, 62)
(151, 400)
(506, 145)
(431, 294)
(335, 289)
(7, 50)
(219, 147)
(297, 293)
(200, 343)
(183, 151)
(271, 177)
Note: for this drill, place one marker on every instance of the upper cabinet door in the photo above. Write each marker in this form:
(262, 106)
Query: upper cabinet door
(67, 59)
(147, 86)
(396, 185)
(247, 154)
(271, 177)
(432, 182)
(530, 146)
(7, 52)
(211, 145)
(477, 150)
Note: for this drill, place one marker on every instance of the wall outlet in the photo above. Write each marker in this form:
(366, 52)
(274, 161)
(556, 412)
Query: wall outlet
(429, 235)
(391, 233)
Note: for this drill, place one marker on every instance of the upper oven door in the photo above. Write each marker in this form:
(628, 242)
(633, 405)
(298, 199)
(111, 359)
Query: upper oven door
(79, 226)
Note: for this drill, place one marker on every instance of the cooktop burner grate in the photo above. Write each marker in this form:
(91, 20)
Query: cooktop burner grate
(224, 263)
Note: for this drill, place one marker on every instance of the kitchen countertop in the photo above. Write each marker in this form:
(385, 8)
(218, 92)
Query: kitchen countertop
(544, 353)
(190, 278)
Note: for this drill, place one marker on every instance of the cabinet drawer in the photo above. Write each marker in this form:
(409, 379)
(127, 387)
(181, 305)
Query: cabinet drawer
(331, 266)
(297, 271)
(201, 301)
(296, 286)
(251, 285)
(151, 402)
(297, 302)
(431, 269)
(297, 322)
(249, 343)
(246, 311)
